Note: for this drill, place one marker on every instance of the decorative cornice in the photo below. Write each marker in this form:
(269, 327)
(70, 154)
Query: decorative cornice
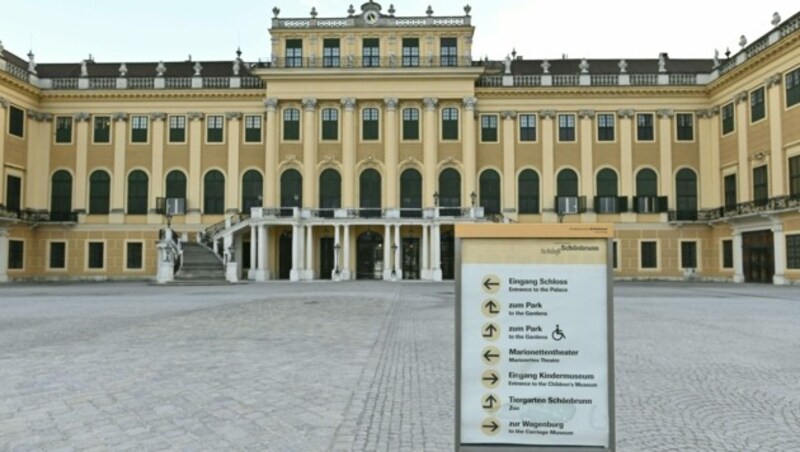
(773, 80)
(704, 113)
(470, 103)
(3, 103)
(547, 114)
(430, 103)
(271, 104)
(739, 98)
(349, 103)
(309, 103)
(39, 116)
(195, 116)
(586, 114)
(391, 103)
(158, 116)
(665, 113)
(81, 117)
(229, 115)
(119, 116)
(626, 113)
(508, 114)
(758, 156)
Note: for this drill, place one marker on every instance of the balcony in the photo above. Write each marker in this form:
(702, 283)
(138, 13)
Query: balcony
(610, 204)
(326, 214)
(650, 204)
(354, 62)
(570, 205)
(755, 207)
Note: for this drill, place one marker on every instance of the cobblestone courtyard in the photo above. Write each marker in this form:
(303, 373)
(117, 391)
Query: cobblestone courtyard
(365, 366)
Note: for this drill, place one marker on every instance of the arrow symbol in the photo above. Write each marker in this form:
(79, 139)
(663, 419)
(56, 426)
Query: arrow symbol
(488, 283)
(492, 306)
(493, 379)
(489, 355)
(492, 426)
(490, 330)
(490, 401)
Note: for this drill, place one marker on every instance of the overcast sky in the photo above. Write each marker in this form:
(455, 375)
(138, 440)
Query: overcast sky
(152, 30)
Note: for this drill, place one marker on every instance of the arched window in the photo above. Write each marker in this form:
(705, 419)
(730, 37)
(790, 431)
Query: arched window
(176, 185)
(252, 190)
(646, 183)
(490, 192)
(411, 193)
(330, 191)
(61, 196)
(686, 194)
(99, 191)
(291, 190)
(450, 192)
(567, 183)
(214, 193)
(370, 193)
(606, 200)
(528, 192)
(137, 192)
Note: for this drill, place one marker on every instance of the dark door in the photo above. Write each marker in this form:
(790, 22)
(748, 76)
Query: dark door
(13, 194)
(411, 258)
(325, 257)
(758, 256)
(285, 255)
(448, 255)
(370, 256)
(247, 259)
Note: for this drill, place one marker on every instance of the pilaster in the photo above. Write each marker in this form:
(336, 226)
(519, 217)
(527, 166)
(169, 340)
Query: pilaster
(158, 121)
(232, 185)
(738, 262)
(271, 154)
(548, 166)
(777, 163)
(627, 176)
(708, 141)
(469, 138)
(39, 130)
(390, 153)
(348, 155)
(81, 121)
(509, 164)
(262, 271)
(430, 158)
(740, 124)
(587, 168)
(779, 245)
(665, 154)
(309, 151)
(3, 123)
(3, 253)
(193, 200)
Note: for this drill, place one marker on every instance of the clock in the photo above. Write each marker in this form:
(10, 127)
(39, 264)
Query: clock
(371, 17)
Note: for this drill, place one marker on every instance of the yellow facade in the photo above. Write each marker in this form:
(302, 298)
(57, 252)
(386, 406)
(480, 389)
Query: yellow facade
(371, 92)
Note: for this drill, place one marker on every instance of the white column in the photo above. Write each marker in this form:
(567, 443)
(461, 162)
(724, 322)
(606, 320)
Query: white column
(251, 272)
(231, 266)
(426, 269)
(738, 263)
(262, 273)
(779, 243)
(346, 258)
(336, 264)
(294, 274)
(387, 250)
(398, 253)
(436, 270)
(309, 264)
(3, 255)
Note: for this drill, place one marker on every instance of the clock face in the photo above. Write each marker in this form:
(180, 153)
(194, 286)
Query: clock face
(371, 17)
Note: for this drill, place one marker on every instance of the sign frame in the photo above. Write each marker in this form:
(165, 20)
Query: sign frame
(536, 231)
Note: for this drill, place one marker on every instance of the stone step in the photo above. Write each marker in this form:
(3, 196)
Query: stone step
(200, 267)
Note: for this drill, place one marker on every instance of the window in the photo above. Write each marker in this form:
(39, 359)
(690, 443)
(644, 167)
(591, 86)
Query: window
(528, 192)
(649, 254)
(411, 124)
(566, 127)
(644, 127)
(177, 129)
(489, 186)
(99, 192)
(760, 185)
(727, 253)
(102, 130)
(411, 193)
(291, 124)
(489, 128)
(214, 128)
(606, 200)
(727, 119)
(58, 255)
(685, 125)
(13, 193)
(96, 251)
(330, 190)
(369, 185)
(133, 253)
(730, 192)
(252, 129)
(63, 130)
(330, 53)
(605, 127)
(214, 193)
(176, 185)
(16, 121)
(793, 251)
(449, 192)
(16, 254)
(449, 51)
(330, 124)
(291, 189)
(614, 254)
(410, 52)
(567, 183)
(450, 123)
(686, 194)
(369, 124)
(794, 176)
(646, 183)
(793, 88)
(61, 196)
(294, 53)
(252, 190)
(370, 53)
(137, 193)
(757, 107)
(527, 127)
(139, 125)
(688, 254)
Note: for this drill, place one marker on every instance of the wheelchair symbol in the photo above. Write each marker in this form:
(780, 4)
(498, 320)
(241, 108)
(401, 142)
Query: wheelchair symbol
(558, 334)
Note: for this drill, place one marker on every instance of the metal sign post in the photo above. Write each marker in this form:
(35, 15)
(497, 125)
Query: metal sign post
(534, 338)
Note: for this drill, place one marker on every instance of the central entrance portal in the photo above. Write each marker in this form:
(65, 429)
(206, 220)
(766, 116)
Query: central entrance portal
(758, 256)
(326, 257)
(370, 256)
(410, 258)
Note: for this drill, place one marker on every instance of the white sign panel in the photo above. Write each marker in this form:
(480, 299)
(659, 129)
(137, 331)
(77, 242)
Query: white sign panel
(534, 349)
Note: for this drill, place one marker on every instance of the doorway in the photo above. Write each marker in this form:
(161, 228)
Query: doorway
(448, 255)
(369, 256)
(758, 256)
(285, 255)
(410, 258)
(326, 257)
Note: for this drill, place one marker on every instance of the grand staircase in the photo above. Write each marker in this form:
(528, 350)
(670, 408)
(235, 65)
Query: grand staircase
(200, 267)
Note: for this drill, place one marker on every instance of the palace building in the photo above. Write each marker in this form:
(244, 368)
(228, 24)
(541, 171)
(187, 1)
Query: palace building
(354, 151)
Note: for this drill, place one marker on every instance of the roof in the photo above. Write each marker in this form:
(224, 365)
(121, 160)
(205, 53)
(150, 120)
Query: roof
(174, 69)
(572, 66)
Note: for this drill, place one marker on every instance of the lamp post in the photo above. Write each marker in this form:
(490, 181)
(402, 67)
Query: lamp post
(336, 249)
(394, 260)
(436, 199)
(473, 196)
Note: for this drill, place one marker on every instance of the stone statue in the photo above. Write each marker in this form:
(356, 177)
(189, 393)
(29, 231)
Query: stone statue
(507, 63)
(123, 70)
(584, 66)
(84, 69)
(776, 19)
(545, 67)
(2, 49)
(237, 64)
(742, 41)
(662, 62)
(350, 60)
(160, 69)
(198, 68)
(623, 66)
(31, 63)
(716, 57)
